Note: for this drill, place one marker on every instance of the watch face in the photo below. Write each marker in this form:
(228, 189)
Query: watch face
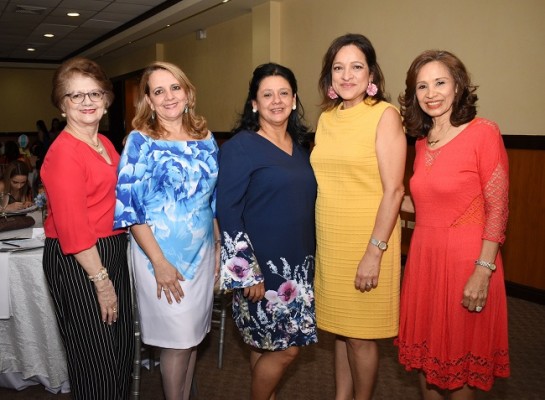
(382, 245)
(492, 267)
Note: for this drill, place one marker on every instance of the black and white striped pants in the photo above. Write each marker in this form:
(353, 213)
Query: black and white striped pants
(99, 355)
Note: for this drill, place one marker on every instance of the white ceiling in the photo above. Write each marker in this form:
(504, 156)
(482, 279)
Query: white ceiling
(103, 26)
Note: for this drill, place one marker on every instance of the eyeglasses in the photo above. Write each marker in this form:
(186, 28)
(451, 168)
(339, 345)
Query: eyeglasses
(78, 98)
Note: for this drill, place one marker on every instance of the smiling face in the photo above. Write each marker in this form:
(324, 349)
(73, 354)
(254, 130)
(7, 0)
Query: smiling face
(166, 95)
(435, 90)
(350, 75)
(88, 112)
(274, 101)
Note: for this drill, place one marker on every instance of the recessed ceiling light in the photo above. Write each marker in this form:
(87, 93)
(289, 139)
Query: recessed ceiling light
(49, 35)
(31, 49)
(73, 14)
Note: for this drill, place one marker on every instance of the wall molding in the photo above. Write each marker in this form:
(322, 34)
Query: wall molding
(525, 292)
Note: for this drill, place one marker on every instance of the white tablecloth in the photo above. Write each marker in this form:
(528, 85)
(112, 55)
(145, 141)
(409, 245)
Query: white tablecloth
(31, 350)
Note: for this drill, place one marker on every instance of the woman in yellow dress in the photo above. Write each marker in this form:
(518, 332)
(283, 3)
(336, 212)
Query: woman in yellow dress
(359, 162)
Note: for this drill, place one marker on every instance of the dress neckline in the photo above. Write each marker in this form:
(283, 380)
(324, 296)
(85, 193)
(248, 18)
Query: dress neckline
(454, 139)
(275, 146)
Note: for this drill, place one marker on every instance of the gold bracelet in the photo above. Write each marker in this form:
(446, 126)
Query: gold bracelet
(100, 276)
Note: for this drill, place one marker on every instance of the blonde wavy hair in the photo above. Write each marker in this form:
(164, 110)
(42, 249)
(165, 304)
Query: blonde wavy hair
(195, 125)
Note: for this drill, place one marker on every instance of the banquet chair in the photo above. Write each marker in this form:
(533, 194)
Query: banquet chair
(222, 300)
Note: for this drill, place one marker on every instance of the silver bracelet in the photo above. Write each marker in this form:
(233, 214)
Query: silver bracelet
(486, 264)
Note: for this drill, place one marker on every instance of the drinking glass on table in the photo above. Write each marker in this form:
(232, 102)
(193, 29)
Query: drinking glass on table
(4, 201)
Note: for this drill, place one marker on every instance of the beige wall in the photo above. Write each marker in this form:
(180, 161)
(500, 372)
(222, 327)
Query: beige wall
(220, 68)
(500, 41)
(25, 99)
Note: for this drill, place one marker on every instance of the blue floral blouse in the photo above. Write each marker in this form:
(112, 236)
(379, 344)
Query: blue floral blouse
(170, 185)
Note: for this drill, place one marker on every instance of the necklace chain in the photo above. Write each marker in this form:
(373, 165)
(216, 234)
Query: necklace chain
(432, 143)
(97, 147)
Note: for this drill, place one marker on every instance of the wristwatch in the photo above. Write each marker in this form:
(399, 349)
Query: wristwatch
(381, 245)
(489, 265)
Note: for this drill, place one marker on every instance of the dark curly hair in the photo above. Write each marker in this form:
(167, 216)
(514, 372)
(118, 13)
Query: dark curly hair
(250, 121)
(365, 46)
(417, 123)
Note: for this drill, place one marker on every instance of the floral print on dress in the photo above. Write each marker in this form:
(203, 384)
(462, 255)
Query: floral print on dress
(239, 265)
(286, 316)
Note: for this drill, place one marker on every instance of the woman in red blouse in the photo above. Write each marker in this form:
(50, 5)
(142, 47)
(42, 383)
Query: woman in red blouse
(85, 260)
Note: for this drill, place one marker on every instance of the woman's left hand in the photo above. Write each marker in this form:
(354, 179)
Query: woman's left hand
(368, 271)
(476, 289)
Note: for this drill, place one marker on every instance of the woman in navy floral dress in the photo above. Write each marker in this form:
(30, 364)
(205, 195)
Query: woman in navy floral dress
(266, 195)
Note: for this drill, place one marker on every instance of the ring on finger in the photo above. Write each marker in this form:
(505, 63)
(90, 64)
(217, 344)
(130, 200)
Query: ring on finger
(165, 290)
(114, 309)
(368, 284)
(478, 308)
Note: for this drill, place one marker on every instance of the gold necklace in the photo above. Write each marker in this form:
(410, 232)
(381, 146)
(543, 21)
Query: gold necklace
(96, 147)
(432, 143)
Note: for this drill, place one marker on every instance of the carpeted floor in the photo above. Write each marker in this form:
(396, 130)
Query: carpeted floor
(311, 377)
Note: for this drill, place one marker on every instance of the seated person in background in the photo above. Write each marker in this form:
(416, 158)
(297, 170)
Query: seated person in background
(15, 193)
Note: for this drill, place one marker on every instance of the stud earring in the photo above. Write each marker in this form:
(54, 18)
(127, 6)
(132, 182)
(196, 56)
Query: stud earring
(254, 110)
(294, 107)
(371, 89)
(332, 94)
(105, 111)
(63, 114)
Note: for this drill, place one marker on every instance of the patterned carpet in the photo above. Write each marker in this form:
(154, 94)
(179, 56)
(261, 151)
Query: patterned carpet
(311, 377)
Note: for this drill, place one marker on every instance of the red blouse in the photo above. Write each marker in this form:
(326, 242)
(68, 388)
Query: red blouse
(80, 190)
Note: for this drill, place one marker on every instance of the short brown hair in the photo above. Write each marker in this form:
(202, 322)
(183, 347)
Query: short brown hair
(417, 123)
(81, 66)
(195, 125)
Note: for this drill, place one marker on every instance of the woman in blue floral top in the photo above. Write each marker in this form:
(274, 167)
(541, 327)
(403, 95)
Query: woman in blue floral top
(165, 194)
(266, 196)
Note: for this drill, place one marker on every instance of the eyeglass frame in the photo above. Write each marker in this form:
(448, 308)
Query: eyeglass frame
(88, 94)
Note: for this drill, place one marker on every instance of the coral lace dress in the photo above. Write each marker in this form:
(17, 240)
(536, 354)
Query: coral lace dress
(460, 194)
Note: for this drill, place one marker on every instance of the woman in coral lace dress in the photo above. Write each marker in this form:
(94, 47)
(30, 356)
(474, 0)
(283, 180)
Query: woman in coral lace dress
(453, 317)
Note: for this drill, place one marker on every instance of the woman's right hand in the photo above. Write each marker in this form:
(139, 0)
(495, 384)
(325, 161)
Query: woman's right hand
(107, 300)
(255, 293)
(168, 281)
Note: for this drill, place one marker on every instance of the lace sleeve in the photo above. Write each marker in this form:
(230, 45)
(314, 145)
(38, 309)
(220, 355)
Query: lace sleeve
(496, 199)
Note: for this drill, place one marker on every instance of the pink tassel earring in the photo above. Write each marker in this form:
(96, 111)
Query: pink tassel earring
(332, 94)
(371, 89)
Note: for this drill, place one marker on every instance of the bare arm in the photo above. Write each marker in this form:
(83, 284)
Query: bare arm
(90, 260)
(167, 277)
(391, 148)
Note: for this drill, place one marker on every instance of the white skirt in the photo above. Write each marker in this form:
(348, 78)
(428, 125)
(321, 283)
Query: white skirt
(178, 325)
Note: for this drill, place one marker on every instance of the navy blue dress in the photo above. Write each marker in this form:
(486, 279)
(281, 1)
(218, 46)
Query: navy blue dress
(265, 209)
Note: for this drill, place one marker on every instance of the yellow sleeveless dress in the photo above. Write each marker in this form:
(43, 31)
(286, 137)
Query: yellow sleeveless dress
(349, 193)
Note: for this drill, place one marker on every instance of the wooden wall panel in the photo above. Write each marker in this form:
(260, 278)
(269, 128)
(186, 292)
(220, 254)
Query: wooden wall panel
(524, 249)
